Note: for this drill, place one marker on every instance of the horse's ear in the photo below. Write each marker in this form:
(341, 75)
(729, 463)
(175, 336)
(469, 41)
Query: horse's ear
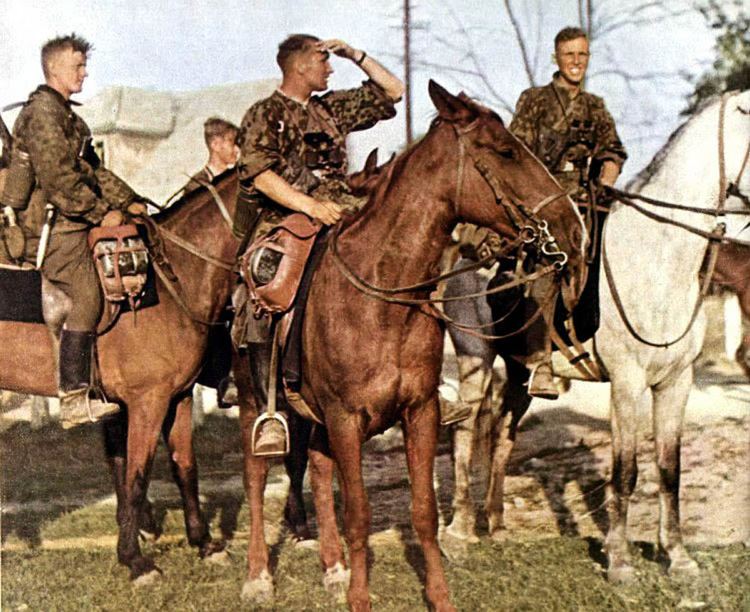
(371, 163)
(449, 107)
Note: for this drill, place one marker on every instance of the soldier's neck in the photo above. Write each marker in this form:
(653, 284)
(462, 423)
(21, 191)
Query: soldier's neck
(573, 89)
(293, 91)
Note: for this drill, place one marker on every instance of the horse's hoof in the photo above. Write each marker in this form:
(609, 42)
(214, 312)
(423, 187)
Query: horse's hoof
(499, 536)
(621, 574)
(258, 590)
(148, 536)
(467, 535)
(454, 547)
(336, 582)
(219, 557)
(309, 544)
(147, 579)
(683, 567)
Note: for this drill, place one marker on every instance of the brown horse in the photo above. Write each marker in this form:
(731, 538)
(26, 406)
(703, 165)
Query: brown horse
(733, 271)
(148, 363)
(369, 364)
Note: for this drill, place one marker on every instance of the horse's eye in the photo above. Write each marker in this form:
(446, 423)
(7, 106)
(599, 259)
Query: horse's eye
(507, 153)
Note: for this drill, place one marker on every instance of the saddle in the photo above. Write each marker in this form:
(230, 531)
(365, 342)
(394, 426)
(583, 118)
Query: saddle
(122, 263)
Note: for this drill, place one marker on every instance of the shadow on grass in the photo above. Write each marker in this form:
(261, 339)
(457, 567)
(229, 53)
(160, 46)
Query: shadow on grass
(48, 472)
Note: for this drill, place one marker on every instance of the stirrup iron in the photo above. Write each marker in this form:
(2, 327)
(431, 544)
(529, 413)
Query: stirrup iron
(257, 428)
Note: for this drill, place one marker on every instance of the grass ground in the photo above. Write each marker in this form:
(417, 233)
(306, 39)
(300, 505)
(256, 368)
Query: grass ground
(59, 533)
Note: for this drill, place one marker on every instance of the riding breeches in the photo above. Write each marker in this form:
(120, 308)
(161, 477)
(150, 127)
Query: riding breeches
(69, 266)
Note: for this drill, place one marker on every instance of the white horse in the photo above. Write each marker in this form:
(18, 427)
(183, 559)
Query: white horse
(654, 268)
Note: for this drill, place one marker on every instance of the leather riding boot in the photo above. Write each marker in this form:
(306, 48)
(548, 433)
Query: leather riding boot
(76, 407)
(542, 380)
(453, 409)
(271, 439)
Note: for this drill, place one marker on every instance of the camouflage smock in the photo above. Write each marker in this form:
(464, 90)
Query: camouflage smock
(272, 137)
(57, 140)
(567, 133)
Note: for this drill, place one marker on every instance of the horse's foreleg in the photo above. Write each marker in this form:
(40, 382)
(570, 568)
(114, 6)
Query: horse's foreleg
(178, 435)
(145, 417)
(669, 406)
(336, 576)
(258, 586)
(629, 397)
(515, 404)
(345, 439)
(296, 464)
(475, 376)
(420, 437)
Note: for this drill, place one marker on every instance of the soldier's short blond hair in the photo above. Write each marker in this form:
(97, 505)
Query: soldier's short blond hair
(216, 127)
(569, 33)
(293, 45)
(70, 41)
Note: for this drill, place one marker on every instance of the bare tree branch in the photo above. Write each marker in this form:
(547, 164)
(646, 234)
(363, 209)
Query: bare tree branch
(600, 28)
(521, 44)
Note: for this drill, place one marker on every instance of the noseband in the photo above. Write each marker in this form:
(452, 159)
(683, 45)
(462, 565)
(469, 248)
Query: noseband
(529, 227)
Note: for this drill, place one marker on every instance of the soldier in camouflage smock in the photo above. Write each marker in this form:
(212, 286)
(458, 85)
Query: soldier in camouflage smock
(573, 134)
(567, 128)
(302, 138)
(73, 193)
(293, 158)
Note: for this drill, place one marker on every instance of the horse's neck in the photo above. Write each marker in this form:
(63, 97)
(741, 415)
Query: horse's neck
(402, 232)
(655, 264)
(199, 222)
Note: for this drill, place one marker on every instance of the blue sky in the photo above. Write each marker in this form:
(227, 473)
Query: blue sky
(181, 45)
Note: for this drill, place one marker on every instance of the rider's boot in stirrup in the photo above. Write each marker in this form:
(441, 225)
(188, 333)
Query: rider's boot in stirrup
(542, 380)
(453, 409)
(76, 406)
(270, 435)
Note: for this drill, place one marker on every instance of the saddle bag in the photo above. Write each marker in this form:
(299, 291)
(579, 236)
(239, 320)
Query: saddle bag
(121, 261)
(273, 265)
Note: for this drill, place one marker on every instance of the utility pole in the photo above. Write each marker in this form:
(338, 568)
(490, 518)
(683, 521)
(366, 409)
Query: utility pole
(407, 72)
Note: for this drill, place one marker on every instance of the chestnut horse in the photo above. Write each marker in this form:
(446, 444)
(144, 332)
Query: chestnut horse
(148, 363)
(368, 363)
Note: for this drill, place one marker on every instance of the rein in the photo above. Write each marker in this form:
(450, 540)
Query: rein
(716, 236)
(530, 230)
(173, 286)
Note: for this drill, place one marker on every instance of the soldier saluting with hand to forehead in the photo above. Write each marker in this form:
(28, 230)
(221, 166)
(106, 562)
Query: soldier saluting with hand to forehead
(293, 157)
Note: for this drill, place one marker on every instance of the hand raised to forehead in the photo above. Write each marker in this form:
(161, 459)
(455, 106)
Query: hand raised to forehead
(339, 47)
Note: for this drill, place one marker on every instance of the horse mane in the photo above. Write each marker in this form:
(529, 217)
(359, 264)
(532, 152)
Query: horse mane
(187, 199)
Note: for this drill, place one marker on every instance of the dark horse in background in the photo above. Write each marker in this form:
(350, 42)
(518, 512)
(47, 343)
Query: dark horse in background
(733, 272)
(368, 363)
(149, 366)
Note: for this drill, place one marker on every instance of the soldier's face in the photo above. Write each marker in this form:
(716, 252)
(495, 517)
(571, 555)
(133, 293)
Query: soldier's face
(572, 57)
(67, 71)
(316, 68)
(225, 149)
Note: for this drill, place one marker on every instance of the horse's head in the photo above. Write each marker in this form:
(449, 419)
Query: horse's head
(499, 184)
(363, 182)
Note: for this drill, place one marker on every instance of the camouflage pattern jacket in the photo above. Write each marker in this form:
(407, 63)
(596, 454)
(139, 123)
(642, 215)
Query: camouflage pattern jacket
(306, 143)
(571, 135)
(68, 173)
